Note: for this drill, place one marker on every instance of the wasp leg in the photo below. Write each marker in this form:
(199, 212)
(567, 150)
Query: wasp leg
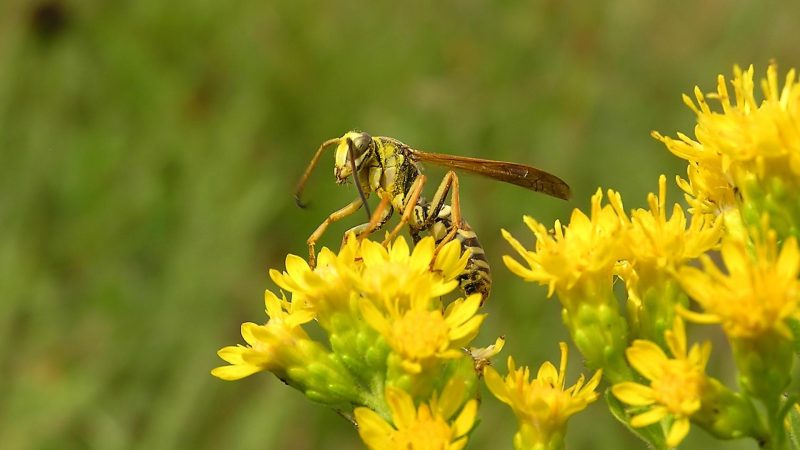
(437, 202)
(449, 182)
(437, 205)
(408, 210)
(381, 215)
(351, 208)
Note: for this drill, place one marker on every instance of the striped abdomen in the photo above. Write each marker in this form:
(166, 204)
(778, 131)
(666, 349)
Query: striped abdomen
(477, 277)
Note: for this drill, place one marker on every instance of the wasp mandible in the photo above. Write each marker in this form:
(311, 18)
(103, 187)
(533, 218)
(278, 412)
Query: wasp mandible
(391, 169)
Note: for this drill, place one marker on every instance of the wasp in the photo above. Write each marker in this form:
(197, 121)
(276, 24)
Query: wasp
(392, 170)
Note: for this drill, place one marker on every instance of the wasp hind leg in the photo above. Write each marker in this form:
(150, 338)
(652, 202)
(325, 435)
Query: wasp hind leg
(335, 216)
(449, 185)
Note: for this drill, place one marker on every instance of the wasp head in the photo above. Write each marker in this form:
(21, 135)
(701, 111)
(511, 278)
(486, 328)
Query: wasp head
(356, 145)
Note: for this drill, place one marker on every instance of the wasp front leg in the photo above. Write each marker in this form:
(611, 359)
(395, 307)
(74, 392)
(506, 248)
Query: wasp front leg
(378, 219)
(348, 210)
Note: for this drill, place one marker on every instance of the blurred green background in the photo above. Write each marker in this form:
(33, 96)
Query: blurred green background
(148, 151)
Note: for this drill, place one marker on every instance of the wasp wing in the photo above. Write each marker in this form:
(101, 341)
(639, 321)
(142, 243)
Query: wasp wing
(518, 174)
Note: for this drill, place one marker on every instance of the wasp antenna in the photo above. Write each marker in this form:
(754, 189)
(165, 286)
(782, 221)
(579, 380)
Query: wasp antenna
(351, 149)
(300, 203)
(298, 192)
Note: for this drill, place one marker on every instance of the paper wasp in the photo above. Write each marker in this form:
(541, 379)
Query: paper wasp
(391, 169)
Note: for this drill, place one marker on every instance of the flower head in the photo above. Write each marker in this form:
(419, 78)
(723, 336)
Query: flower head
(419, 334)
(757, 294)
(579, 256)
(542, 405)
(266, 344)
(676, 384)
(396, 277)
(393, 277)
(380, 308)
(324, 289)
(746, 154)
(430, 426)
(658, 244)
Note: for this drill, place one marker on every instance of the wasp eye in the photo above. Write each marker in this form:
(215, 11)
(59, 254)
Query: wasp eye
(361, 143)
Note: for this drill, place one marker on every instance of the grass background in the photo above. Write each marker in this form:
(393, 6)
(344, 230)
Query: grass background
(148, 151)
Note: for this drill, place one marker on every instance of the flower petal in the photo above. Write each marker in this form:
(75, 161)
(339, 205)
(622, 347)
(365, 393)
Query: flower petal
(402, 407)
(496, 384)
(633, 393)
(647, 358)
(650, 417)
(374, 431)
(679, 430)
(234, 372)
(466, 419)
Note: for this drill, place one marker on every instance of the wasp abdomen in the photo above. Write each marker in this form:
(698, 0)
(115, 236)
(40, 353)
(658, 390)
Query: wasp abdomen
(477, 276)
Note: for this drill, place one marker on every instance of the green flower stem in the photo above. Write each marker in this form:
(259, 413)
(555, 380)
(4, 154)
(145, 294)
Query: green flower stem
(728, 415)
(528, 438)
(765, 365)
(774, 197)
(659, 295)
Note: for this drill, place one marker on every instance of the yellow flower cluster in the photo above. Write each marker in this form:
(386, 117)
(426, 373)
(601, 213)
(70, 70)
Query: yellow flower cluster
(744, 160)
(756, 294)
(391, 342)
(581, 255)
(742, 187)
(266, 344)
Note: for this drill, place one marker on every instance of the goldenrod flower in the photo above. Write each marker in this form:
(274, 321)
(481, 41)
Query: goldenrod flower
(676, 384)
(419, 334)
(367, 269)
(758, 292)
(578, 256)
(706, 189)
(282, 347)
(544, 404)
(754, 298)
(750, 149)
(578, 261)
(427, 427)
(396, 277)
(267, 344)
(404, 325)
(657, 244)
(327, 287)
